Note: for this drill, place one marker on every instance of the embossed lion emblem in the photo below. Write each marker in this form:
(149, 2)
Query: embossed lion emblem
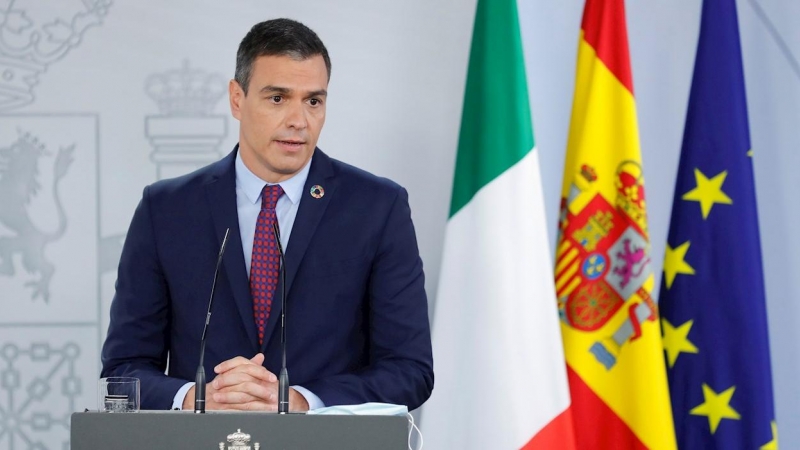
(19, 183)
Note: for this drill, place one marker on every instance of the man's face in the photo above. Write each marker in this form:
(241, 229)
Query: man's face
(282, 114)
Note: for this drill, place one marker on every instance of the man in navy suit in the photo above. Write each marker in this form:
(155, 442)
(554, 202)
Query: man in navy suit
(356, 319)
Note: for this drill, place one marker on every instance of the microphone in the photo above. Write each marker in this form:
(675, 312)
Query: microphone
(200, 377)
(283, 378)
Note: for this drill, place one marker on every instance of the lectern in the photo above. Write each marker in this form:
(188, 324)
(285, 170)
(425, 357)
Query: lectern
(178, 430)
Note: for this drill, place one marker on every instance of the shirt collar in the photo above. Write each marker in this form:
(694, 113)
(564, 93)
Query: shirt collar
(252, 185)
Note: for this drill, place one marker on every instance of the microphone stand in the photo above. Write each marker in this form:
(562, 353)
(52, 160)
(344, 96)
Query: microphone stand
(200, 376)
(283, 378)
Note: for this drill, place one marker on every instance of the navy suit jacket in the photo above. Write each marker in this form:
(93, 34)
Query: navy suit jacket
(357, 315)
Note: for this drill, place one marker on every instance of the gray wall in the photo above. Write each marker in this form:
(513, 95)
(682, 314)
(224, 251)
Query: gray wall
(98, 93)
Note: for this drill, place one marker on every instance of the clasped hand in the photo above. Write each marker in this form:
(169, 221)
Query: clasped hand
(246, 385)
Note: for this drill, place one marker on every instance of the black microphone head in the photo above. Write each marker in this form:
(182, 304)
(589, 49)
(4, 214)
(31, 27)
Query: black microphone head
(224, 242)
(200, 390)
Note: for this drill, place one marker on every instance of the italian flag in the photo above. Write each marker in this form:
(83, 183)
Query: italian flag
(501, 381)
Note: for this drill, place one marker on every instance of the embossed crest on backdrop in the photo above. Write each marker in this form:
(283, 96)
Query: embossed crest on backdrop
(185, 134)
(34, 35)
(20, 185)
(48, 221)
(57, 269)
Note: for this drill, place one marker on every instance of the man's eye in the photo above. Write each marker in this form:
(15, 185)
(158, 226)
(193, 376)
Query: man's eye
(276, 98)
(315, 102)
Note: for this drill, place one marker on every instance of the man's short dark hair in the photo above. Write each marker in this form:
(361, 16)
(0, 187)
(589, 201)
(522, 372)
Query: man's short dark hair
(277, 37)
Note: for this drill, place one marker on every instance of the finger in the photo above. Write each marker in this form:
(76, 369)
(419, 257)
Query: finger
(249, 406)
(253, 364)
(232, 363)
(260, 406)
(256, 371)
(233, 378)
(246, 395)
(229, 398)
(259, 391)
(243, 373)
(258, 359)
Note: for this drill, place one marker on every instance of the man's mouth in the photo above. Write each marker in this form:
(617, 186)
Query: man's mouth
(290, 143)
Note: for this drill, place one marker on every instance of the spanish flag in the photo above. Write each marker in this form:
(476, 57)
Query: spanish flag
(603, 274)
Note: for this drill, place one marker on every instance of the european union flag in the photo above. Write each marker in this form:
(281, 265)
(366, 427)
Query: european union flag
(712, 303)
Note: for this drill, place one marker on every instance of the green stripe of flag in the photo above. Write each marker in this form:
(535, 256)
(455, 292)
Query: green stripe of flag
(496, 127)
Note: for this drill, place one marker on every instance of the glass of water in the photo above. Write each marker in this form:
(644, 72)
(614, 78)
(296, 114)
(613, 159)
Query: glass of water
(118, 394)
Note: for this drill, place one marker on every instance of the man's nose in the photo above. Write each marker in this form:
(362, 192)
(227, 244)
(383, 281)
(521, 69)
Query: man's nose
(296, 117)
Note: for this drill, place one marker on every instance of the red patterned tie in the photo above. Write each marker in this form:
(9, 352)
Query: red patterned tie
(265, 261)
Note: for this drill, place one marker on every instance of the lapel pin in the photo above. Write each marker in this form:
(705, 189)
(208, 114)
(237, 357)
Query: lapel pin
(317, 191)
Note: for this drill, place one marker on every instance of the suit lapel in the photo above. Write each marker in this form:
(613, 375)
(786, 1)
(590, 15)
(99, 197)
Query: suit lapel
(305, 224)
(221, 194)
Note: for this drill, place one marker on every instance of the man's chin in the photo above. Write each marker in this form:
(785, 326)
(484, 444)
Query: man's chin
(290, 167)
(287, 170)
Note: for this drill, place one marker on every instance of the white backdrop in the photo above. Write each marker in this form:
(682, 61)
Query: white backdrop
(100, 83)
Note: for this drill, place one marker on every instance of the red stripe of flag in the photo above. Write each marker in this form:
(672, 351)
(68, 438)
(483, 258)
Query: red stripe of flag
(556, 435)
(604, 29)
(595, 420)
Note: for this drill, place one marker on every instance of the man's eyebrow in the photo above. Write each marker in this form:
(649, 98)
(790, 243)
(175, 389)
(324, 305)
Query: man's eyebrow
(278, 89)
(282, 90)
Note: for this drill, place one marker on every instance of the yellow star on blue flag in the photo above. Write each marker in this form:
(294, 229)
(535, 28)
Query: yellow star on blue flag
(708, 191)
(716, 406)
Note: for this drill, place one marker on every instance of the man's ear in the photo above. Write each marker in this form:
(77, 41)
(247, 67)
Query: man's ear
(236, 97)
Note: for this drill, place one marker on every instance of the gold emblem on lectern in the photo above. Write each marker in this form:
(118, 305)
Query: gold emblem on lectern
(239, 441)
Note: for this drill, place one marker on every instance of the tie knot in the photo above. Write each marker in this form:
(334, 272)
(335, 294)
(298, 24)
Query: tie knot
(270, 196)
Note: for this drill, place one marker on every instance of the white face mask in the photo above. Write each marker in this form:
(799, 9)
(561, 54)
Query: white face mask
(364, 409)
(373, 409)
